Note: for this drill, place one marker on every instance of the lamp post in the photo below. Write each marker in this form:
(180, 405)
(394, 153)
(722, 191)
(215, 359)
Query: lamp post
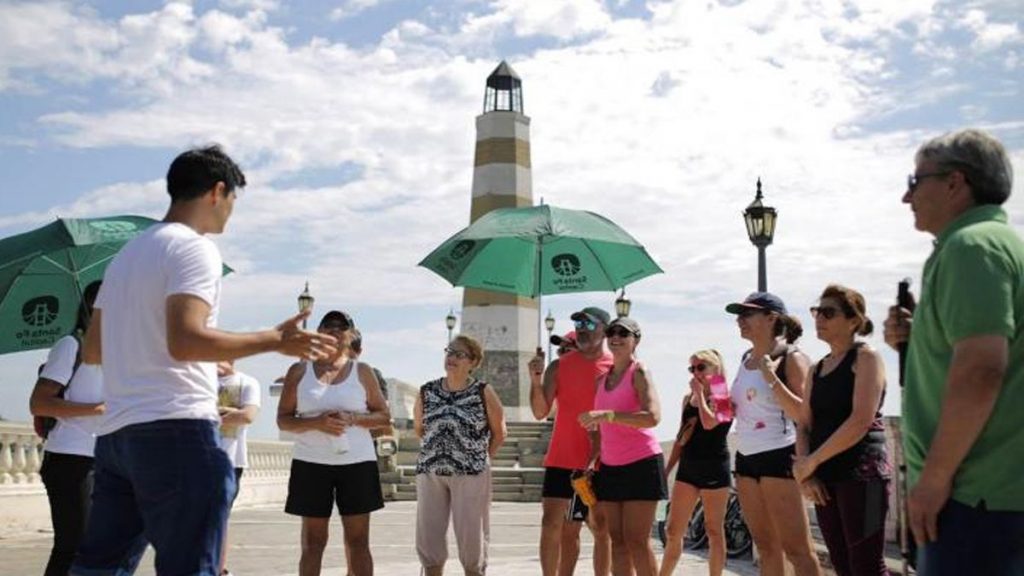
(449, 321)
(549, 323)
(622, 304)
(305, 302)
(760, 220)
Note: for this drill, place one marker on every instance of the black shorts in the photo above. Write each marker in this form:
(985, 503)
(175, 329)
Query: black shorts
(313, 489)
(640, 480)
(705, 474)
(557, 483)
(776, 463)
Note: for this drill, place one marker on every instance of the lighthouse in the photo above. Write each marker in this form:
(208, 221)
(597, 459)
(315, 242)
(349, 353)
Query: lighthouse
(505, 324)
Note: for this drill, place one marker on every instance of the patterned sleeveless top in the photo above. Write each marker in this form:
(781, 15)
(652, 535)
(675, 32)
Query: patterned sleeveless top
(455, 430)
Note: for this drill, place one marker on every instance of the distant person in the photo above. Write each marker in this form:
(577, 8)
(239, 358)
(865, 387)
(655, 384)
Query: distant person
(704, 471)
(571, 383)
(768, 395)
(630, 481)
(964, 393)
(356, 350)
(330, 406)
(160, 474)
(238, 403)
(567, 343)
(846, 470)
(462, 424)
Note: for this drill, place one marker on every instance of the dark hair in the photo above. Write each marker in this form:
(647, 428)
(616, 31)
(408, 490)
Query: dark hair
(357, 341)
(852, 304)
(194, 172)
(981, 158)
(789, 327)
(85, 306)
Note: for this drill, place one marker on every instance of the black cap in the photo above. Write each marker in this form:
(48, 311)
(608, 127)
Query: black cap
(338, 316)
(758, 301)
(592, 313)
(627, 323)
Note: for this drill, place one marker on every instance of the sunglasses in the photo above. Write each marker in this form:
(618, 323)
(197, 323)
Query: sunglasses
(588, 325)
(616, 331)
(748, 312)
(826, 312)
(914, 180)
(697, 368)
(460, 354)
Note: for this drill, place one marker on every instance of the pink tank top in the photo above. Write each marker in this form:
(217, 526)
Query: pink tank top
(577, 383)
(621, 444)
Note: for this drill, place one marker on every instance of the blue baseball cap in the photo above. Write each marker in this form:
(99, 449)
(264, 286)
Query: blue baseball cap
(758, 301)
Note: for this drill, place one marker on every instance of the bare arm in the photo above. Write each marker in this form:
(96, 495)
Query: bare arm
(495, 420)
(189, 339)
(92, 345)
(806, 421)
(287, 418)
(238, 416)
(379, 414)
(700, 402)
(542, 395)
(44, 402)
(417, 416)
(790, 395)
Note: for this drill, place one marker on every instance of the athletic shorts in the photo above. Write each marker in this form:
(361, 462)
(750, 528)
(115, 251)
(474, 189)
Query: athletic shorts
(776, 463)
(314, 489)
(557, 483)
(704, 474)
(640, 480)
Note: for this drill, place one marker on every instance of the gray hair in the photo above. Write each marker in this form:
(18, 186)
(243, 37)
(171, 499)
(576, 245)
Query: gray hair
(979, 156)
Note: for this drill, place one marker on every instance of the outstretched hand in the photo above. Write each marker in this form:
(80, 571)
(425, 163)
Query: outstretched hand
(302, 343)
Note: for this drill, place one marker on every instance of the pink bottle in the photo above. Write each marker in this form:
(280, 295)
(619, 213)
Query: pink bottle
(720, 399)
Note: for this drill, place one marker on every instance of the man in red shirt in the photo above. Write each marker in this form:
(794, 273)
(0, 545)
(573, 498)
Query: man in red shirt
(571, 381)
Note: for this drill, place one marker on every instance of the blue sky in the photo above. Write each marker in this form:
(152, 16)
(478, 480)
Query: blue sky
(354, 121)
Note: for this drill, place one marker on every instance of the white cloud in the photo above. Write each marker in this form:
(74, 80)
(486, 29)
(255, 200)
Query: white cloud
(350, 8)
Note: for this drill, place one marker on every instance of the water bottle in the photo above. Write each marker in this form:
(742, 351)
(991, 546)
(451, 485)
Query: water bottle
(720, 399)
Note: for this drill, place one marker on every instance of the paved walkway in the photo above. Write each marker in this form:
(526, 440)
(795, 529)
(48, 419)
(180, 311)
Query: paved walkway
(265, 542)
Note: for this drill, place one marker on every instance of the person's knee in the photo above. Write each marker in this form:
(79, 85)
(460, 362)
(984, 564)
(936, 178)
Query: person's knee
(714, 532)
(314, 543)
(551, 520)
(357, 542)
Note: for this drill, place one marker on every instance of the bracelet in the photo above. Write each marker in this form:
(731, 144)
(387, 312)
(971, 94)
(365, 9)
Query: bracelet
(611, 416)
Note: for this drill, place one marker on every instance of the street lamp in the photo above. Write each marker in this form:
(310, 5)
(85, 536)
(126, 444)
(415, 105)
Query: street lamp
(622, 304)
(549, 323)
(760, 220)
(449, 321)
(305, 302)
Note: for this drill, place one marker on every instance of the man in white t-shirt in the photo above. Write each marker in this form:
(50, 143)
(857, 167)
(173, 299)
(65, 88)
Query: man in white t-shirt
(160, 474)
(239, 402)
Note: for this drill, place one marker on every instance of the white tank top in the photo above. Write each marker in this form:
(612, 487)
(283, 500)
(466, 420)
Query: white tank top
(761, 425)
(315, 398)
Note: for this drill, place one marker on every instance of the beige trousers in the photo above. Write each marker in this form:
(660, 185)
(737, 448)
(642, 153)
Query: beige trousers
(467, 501)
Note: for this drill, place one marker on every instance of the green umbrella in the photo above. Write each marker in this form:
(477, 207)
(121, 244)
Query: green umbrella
(541, 250)
(43, 273)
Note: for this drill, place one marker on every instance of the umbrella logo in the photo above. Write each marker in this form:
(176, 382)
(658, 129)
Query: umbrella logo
(41, 311)
(566, 265)
(115, 228)
(461, 248)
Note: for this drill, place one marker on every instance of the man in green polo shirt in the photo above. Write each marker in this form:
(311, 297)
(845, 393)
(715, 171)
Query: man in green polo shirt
(963, 401)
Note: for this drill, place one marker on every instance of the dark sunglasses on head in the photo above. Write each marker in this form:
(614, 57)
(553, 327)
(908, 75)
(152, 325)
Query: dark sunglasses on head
(826, 312)
(460, 354)
(588, 325)
(616, 331)
(697, 368)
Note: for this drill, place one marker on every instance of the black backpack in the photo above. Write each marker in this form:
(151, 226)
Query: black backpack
(44, 424)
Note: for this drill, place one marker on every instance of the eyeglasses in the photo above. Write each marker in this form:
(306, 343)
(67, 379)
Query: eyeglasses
(826, 312)
(616, 331)
(697, 368)
(913, 180)
(588, 325)
(460, 354)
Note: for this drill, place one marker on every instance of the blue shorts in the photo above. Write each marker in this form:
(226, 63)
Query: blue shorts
(167, 483)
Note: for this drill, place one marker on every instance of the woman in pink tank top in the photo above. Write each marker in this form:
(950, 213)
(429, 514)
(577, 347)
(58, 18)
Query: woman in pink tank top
(630, 482)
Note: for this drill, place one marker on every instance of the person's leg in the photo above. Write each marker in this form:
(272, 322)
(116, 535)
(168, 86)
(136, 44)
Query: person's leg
(622, 564)
(315, 533)
(830, 521)
(684, 498)
(598, 525)
(433, 510)
(715, 503)
(637, 519)
(471, 502)
(785, 505)
(569, 549)
(357, 539)
(68, 482)
(224, 545)
(552, 519)
(862, 507)
(762, 529)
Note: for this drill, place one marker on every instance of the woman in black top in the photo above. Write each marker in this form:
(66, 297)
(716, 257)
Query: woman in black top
(841, 457)
(703, 470)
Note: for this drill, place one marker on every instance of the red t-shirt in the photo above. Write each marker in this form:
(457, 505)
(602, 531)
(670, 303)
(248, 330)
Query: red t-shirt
(577, 385)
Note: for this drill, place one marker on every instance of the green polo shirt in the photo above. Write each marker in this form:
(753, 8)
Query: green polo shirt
(972, 285)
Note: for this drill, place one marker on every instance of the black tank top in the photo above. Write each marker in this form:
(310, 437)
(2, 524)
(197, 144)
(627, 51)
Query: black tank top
(831, 405)
(705, 444)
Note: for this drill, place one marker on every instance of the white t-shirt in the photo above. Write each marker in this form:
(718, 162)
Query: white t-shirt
(237, 390)
(73, 435)
(142, 382)
(313, 398)
(761, 425)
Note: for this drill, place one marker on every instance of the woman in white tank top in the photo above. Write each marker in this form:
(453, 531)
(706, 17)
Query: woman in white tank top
(768, 393)
(330, 407)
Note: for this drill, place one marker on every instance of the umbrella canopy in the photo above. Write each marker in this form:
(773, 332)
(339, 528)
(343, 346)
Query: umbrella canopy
(43, 273)
(541, 250)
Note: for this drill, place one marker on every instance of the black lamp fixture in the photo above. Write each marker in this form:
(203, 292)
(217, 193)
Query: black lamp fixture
(305, 302)
(450, 321)
(549, 323)
(622, 304)
(760, 220)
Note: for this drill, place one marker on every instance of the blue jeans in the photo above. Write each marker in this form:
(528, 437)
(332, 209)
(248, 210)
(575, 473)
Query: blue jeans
(165, 482)
(973, 540)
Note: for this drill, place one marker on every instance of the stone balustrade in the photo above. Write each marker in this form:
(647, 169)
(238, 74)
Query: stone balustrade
(20, 454)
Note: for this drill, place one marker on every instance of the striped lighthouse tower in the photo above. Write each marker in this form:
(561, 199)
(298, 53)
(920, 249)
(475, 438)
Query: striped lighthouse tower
(506, 325)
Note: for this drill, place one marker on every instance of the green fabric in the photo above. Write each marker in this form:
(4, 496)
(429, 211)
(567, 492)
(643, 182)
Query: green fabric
(573, 251)
(972, 285)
